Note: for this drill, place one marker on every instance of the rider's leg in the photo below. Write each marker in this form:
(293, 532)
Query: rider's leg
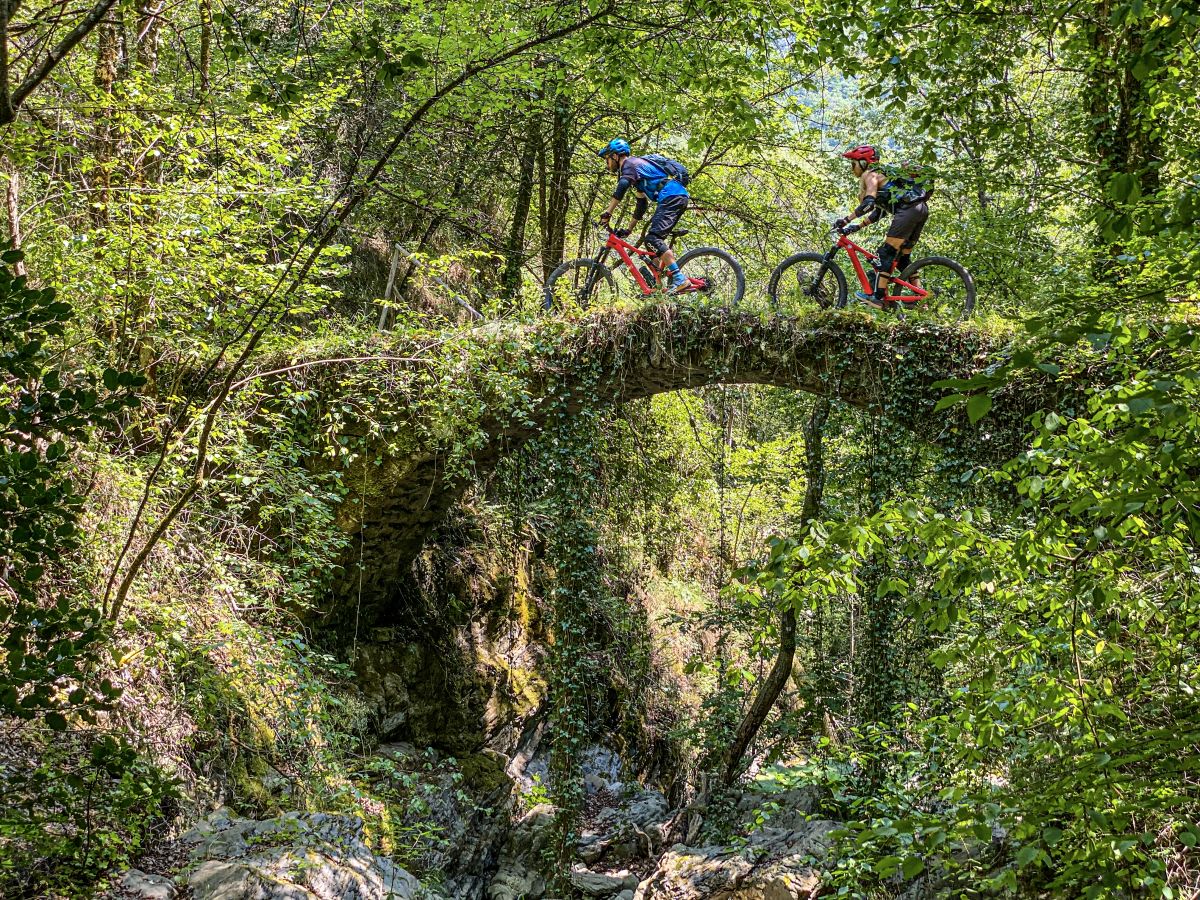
(904, 258)
(906, 225)
(889, 251)
(911, 221)
(885, 261)
(666, 217)
(664, 262)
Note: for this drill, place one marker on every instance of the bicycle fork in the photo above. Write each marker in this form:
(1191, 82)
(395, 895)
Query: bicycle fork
(828, 261)
(593, 274)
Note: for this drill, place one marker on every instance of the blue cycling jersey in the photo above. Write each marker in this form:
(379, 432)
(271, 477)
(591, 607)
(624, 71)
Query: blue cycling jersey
(648, 179)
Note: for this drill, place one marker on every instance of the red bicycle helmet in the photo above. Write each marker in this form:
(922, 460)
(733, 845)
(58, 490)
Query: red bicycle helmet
(863, 153)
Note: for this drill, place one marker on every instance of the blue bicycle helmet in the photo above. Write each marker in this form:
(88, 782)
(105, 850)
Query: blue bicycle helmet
(616, 145)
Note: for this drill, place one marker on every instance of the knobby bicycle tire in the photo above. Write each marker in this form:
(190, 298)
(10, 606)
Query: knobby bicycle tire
(595, 274)
(822, 269)
(739, 277)
(963, 296)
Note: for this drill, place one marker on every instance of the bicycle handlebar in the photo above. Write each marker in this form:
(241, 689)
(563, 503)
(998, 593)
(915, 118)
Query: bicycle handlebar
(606, 228)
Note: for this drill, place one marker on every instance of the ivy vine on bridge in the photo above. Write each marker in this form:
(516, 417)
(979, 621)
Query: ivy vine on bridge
(511, 381)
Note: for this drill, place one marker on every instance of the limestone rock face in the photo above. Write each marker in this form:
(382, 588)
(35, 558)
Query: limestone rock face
(297, 856)
(468, 681)
(517, 877)
(773, 865)
(404, 685)
(468, 801)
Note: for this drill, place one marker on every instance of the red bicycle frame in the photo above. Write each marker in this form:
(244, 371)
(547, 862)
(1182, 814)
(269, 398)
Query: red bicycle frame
(623, 249)
(896, 285)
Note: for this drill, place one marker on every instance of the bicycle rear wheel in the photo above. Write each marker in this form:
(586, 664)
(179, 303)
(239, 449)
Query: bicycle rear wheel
(723, 274)
(580, 282)
(803, 279)
(951, 289)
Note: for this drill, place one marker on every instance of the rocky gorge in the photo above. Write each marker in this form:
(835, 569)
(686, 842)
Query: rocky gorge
(622, 853)
(457, 691)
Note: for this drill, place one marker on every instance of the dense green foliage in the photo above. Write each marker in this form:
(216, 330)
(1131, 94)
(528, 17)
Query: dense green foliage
(995, 663)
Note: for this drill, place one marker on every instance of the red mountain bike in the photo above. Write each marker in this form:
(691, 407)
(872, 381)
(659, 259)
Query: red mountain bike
(937, 285)
(709, 271)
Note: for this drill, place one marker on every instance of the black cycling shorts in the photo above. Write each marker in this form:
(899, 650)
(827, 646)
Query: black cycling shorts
(908, 222)
(666, 216)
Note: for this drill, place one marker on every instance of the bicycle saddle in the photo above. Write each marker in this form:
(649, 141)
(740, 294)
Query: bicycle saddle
(679, 232)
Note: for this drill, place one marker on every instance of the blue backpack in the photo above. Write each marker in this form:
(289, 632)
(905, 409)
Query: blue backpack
(677, 170)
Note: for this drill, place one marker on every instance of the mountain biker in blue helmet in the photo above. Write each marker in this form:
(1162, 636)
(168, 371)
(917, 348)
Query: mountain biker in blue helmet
(650, 182)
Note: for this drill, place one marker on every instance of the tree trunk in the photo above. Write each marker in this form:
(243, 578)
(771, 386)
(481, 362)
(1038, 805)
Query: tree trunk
(877, 691)
(585, 223)
(105, 76)
(514, 249)
(146, 175)
(12, 205)
(149, 23)
(554, 223)
(7, 113)
(460, 184)
(410, 265)
(1125, 134)
(878, 648)
(205, 45)
(773, 685)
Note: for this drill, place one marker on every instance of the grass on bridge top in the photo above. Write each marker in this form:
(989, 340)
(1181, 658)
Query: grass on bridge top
(425, 339)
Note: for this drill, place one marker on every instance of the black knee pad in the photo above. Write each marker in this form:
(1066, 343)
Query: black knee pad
(887, 259)
(904, 260)
(657, 244)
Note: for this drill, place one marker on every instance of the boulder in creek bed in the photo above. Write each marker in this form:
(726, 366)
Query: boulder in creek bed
(632, 831)
(785, 809)
(601, 884)
(297, 856)
(773, 865)
(136, 883)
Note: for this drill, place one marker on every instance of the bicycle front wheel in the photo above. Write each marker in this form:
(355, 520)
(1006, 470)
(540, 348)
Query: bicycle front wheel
(722, 273)
(803, 279)
(580, 282)
(951, 289)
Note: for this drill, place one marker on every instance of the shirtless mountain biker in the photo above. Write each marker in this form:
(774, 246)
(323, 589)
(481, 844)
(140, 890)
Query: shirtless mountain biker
(882, 192)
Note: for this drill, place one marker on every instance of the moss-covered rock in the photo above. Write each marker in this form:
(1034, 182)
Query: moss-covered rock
(483, 774)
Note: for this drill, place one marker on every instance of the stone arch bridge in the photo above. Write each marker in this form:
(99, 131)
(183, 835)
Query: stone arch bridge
(615, 356)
